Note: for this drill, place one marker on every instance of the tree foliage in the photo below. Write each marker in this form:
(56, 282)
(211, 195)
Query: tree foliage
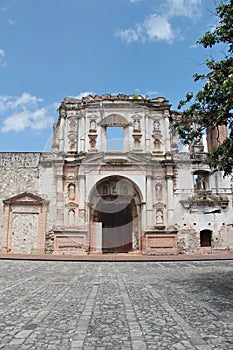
(212, 106)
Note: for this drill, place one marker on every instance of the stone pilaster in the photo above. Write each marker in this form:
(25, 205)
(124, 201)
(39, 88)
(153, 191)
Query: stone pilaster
(167, 131)
(82, 196)
(149, 204)
(59, 195)
(5, 236)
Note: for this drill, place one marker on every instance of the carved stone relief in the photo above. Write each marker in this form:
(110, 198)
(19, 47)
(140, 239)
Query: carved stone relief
(92, 141)
(156, 126)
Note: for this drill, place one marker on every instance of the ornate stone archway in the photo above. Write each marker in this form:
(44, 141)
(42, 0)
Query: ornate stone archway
(115, 216)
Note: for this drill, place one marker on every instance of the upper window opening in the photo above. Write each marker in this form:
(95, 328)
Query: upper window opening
(114, 135)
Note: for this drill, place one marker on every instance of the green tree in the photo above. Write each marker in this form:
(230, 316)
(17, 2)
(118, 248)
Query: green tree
(212, 107)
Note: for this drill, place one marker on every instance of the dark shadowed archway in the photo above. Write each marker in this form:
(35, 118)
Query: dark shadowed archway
(115, 209)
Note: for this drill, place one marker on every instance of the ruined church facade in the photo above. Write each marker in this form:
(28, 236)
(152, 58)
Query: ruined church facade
(140, 193)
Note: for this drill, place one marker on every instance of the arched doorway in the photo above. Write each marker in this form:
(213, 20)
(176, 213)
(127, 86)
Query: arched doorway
(205, 238)
(115, 210)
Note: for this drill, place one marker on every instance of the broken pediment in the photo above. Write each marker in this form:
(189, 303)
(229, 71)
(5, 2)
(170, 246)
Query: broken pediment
(24, 199)
(203, 200)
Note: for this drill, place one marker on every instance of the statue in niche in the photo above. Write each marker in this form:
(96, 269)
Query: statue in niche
(72, 142)
(159, 216)
(71, 192)
(72, 125)
(71, 218)
(200, 182)
(93, 125)
(157, 144)
(136, 125)
(156, 125)
(159, 191)
(135, 240)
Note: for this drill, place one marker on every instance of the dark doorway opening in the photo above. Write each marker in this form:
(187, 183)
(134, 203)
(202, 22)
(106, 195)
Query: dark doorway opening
(116, 218)
(115, 204)
(205, 238)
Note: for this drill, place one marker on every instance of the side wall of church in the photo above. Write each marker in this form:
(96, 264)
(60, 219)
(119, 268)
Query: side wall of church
(29, 173)
(199, 209)
(19, 173)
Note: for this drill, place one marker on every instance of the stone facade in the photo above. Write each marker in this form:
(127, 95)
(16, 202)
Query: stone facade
(91, 195)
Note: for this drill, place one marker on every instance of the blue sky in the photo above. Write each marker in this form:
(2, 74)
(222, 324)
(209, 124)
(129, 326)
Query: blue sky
(50, 49)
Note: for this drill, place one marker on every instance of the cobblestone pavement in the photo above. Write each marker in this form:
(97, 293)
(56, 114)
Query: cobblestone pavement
(116, 305)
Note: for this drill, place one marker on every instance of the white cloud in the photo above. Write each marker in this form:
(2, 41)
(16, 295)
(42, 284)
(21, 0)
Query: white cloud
(183, 8)
(3, 101)
(3, 63)
(128, 35)
(11, 22)
(152, 93)
(84, 94)
(134, 1)
(12, 102)
(36, 120)
(25, 99)
(21, 112)
(157, 26)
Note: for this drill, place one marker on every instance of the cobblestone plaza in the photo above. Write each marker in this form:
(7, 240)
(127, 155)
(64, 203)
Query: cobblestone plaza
(116, 305)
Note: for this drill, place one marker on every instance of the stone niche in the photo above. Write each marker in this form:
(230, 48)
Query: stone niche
(24, 224)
